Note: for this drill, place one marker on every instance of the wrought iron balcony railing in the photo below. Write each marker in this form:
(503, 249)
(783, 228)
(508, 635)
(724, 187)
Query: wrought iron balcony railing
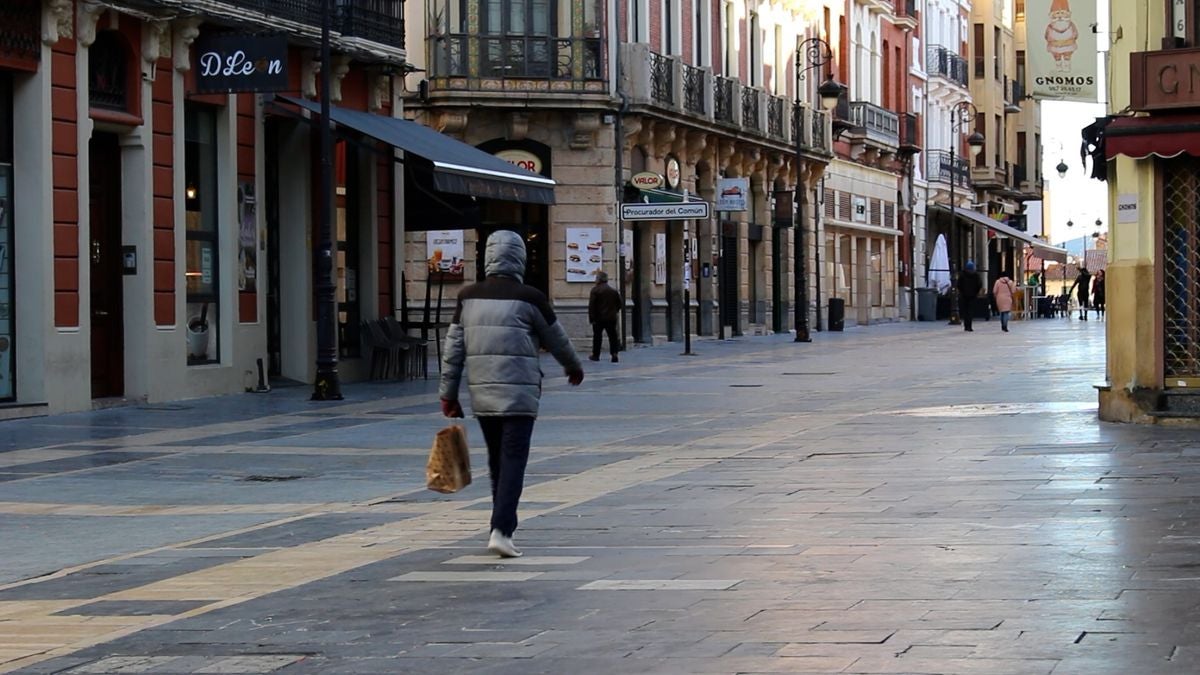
(942, 62)
(723, 99)
(693, 90)
(750, 108)
(379, 21)
(939, 168)
(775, 116)
(880, 124)
(817, 121)
(662, 79)
(528, 57)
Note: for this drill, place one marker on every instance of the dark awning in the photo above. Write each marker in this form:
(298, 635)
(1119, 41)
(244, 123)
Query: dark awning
(1045, 250)
(457, 167)
(1163, 136)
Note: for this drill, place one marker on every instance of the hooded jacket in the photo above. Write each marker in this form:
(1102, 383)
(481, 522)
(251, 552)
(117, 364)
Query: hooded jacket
(498, 328)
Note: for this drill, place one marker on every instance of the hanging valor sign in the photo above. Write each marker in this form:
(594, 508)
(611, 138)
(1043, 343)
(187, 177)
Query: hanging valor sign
(230, 62)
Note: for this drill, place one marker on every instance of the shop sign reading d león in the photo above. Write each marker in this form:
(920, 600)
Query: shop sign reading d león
(232, 62)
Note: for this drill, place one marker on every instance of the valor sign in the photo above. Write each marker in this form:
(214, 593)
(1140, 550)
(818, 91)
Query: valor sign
(229, 62)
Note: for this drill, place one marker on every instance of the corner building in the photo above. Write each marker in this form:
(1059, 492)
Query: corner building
(157, 241)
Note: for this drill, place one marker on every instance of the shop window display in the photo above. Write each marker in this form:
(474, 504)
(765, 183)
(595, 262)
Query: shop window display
(203, 315)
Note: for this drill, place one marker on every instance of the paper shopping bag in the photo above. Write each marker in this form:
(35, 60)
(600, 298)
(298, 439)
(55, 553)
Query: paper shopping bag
(449, 467)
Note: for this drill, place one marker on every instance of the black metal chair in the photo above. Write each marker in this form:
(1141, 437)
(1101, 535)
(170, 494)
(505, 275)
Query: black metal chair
(418, 349)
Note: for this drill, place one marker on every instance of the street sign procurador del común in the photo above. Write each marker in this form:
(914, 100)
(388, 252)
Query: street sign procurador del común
(675, 211)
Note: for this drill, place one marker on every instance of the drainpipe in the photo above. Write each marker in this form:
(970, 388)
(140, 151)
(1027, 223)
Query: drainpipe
(619, 164)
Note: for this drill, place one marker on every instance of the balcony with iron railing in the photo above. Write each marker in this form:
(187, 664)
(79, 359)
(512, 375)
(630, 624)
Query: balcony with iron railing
(686, 92)
(940, 169)
(377, 21)
(947, 64)
(875, 124)
(910, 132)
(905, 14)
(517, 62)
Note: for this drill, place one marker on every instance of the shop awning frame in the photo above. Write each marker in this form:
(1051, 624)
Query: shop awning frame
(457, 167)
(1164, 136)
(1045, 251)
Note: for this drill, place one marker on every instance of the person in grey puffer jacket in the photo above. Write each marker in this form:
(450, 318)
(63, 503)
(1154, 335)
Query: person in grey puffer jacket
(498, 328)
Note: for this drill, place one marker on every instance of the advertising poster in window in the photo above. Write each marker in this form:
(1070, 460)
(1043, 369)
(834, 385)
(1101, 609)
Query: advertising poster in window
(1062, 49)
(660, 258)
(444, 255)
(585, 253)
(247, 238)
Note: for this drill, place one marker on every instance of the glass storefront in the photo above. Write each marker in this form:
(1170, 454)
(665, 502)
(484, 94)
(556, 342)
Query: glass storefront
(203, 315)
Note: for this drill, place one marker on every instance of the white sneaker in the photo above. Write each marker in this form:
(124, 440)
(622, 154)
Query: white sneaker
(502, 545)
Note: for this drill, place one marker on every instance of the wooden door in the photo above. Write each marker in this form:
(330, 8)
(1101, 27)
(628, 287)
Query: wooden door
(104, 255)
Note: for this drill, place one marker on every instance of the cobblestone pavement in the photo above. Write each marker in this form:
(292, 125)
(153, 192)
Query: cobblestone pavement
(899, 499)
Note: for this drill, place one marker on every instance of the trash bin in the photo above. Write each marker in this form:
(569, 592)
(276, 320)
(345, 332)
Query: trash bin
(837, 314)
(926, 304)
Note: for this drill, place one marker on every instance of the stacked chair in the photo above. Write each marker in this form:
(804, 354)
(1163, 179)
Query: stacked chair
(393, 353)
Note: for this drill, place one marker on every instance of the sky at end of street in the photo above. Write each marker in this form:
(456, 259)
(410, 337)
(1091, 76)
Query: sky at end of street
(1076, 197)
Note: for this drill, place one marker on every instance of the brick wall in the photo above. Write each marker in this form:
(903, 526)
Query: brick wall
(63, 102)
(163, 255)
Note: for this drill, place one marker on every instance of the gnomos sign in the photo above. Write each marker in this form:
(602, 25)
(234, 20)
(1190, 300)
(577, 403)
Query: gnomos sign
(230, 62)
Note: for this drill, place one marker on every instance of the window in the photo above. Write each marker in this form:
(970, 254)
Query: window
(998, 146)
(698, 34)
(1022, 151)
(670, 30)
(201, 204)
(1020, 10)
(731, 42)
(981, 127)
(347, 242)
(977, 50)
(1021, 66)
(755, 43)
(1037, 157)
(997, 54)
(521, 45)
(7, 316)
(780, 68)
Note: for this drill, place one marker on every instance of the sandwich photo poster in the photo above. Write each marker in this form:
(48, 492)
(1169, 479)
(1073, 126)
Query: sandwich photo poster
(585, 253)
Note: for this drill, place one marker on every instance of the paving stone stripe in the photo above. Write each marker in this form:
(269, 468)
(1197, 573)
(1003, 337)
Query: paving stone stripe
(275, 571)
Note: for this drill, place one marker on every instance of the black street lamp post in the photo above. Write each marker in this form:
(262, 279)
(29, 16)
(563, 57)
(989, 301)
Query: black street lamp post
(811, 54)
(326, 387)
(960, 114)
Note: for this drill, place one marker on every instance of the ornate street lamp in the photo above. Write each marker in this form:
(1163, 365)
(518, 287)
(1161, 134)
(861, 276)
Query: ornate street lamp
(960, 114)
(1061, 169)
(811, 54)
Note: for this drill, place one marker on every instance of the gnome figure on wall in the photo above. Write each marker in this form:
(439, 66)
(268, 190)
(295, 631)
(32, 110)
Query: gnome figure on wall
(1062, 37)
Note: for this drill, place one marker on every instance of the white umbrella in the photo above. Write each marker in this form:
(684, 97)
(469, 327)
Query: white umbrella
(939, 266)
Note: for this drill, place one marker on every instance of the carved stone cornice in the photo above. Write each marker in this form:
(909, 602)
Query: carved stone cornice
(184, 33)
(87, 20)
(155, 44)
(341, 66)
(664, 137)
(380, 91)
(696, 142)
(451, 122)
(309, 67)
(583, 130)
(57, 21)
(517, 125)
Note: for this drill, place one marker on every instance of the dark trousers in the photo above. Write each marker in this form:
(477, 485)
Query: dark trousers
(507, 439)
(610, 327)
(966, 309)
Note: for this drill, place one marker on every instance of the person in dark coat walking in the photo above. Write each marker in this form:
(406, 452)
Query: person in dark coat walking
(1098, 293)
(604, 306)
(1083, 289)
(969, 286)
(498, 329)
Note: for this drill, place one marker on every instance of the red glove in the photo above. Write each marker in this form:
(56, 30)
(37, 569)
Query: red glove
(452, 408)
(575, 377)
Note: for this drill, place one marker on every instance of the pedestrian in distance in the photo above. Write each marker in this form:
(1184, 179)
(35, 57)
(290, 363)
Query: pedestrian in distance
(604, 306)
(969, 287)
(499, 326)
(1098, 293)
(1082, 288)
(1002, 294)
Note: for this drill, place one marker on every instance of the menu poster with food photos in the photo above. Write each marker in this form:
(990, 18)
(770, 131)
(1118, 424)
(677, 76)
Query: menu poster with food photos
(444, 255)
(585, 253)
